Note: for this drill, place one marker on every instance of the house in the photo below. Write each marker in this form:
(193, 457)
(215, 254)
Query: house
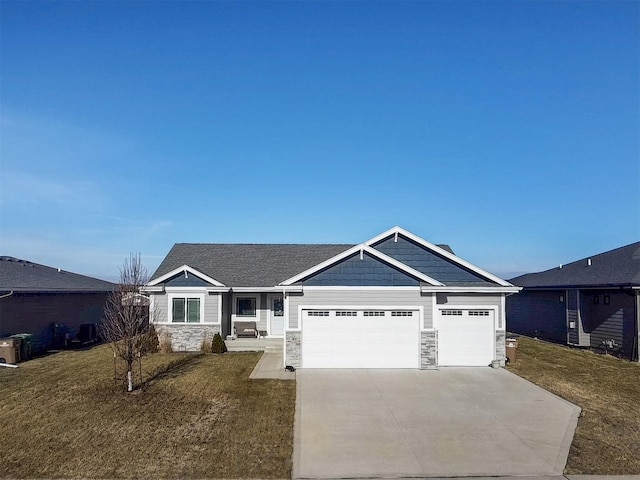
(394, 301)
(593, 302)
(49, 303)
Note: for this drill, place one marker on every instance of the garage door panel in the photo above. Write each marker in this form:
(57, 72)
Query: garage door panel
(359, 341)
(466, 338)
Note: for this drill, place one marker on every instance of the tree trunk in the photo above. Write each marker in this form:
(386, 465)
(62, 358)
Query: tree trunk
(129, 381)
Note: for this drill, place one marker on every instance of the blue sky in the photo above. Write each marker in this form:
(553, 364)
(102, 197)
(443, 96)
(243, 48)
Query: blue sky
(510, 130)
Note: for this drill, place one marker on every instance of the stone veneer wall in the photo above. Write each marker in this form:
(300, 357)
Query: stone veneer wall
(188, 337)
(292, 349)
(500, 347)
(428, 350)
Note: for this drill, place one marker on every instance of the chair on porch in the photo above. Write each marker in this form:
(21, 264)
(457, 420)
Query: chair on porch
(245, 329)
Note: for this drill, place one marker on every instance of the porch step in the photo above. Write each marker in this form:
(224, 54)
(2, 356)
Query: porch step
(255, 345)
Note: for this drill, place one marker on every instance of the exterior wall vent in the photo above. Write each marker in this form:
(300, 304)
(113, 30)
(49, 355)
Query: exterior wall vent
(589, 262)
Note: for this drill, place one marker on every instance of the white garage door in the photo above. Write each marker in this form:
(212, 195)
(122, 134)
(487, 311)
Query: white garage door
(335, 338)
(466, 338)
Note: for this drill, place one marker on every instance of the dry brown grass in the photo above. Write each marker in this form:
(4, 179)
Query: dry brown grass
(198, 416)
(607, 440)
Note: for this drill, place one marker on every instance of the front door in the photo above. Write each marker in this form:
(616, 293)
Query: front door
(276, 316)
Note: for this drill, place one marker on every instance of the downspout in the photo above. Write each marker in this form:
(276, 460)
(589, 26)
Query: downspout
(6, 295)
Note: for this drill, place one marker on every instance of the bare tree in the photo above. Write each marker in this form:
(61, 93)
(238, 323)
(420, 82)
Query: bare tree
(125, 317)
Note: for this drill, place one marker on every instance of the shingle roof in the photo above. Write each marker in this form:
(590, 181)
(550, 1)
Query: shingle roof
(618, 267)
(248, 265)
(22, 275)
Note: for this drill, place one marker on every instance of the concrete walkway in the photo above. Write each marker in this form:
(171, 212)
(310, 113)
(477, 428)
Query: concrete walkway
(412, 423)
(271, 365)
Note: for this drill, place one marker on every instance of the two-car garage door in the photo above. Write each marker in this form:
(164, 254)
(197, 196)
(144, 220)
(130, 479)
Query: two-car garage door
(377, 338)
(360, 338)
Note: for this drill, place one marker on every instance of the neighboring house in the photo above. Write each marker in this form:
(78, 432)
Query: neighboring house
(47, 302)
(395, 301)
(594, 302)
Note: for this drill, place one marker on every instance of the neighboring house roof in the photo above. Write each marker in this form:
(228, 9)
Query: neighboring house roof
(619, 268)
(21, 275)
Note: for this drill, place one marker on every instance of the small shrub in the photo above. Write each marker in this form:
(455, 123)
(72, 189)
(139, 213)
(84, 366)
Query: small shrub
(165, 343)
(218, 345)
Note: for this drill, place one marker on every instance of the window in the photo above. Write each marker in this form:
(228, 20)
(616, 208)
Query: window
(451, 312)
(402, 313)
(278, 307)
(341, 313)
(317, 313)
(185, 310)
(607, 300)
(478, 313)
(246, 307)
(374, 314)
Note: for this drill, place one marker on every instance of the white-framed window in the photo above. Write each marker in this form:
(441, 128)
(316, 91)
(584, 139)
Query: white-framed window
(186, 308)
(344, 313)
(452, 312)
(402, 313)
(317, 313)
(246, 306)
(478, 313)
(374, 314)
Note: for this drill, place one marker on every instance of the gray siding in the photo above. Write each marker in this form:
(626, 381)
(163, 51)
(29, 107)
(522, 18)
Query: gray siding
(479, 299)
(538, 314)
(576, 336)
(356, 272)
(427, 262)
(364, 298)
(609, 322)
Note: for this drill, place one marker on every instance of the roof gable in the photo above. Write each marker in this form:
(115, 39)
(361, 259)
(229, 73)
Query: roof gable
(179, 277)
(428, 262)
(22, 275)
(444, 252)
(357, 270)
(617, 267)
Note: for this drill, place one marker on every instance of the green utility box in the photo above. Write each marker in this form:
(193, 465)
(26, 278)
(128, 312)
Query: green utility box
(26, 345)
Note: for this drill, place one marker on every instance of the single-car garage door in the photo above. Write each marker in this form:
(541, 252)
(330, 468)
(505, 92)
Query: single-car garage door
(466, 337)
(373, 338)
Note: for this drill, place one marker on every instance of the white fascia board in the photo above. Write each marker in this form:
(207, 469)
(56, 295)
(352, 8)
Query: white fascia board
(275, 289)
(362, 248)
(188, 269)
(218, 289)
(439, 251)
(152, 289)
(445, 289)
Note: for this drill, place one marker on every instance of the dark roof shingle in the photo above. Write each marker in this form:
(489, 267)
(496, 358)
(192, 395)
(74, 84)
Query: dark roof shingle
(618, 267)
(22, 275)
(248, 265)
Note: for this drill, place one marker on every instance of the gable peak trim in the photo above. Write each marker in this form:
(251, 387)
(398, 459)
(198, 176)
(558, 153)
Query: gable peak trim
(395, 231)
(185, 269)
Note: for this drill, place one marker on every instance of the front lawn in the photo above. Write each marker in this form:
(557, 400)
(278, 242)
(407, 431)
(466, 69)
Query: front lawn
(198, 416)
(607, 440)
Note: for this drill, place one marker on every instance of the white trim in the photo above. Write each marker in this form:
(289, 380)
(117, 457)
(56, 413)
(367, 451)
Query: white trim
(496, 290)
(439, 251)
(185, 268)
(154, 289)
(371, 251)
(434, 309)
(361, 307)
(276, 289)
(185, 295)
(338, 287)
(448, 306)
(270, 298)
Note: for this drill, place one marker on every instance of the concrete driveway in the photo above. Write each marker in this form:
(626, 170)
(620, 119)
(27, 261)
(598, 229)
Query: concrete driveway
(437, 423)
